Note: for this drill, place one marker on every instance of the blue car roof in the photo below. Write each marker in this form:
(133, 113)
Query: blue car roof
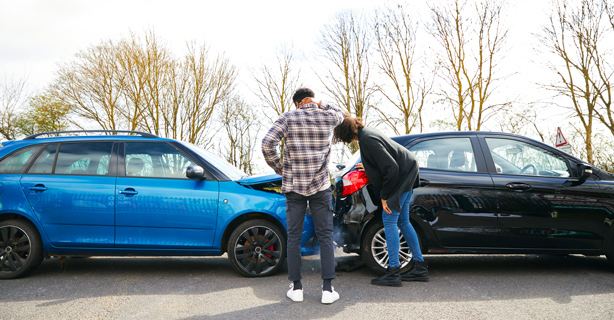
(9, 146)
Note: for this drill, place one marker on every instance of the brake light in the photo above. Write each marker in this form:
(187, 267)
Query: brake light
(353, 181)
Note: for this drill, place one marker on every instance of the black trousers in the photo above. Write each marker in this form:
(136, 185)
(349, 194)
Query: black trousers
(320, 205)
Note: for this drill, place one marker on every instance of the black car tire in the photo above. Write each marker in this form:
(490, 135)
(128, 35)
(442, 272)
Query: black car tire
(257, 248)
(374, 251)
(21, 249)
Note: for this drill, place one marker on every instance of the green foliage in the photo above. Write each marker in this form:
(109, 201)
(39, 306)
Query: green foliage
(44, 114)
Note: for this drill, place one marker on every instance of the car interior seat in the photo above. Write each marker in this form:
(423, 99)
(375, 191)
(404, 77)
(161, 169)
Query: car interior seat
(135, 167)
(458, 159)
(432, 162)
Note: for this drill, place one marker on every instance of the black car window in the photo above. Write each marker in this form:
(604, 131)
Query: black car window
(44, 162)
(155, 160)
(91, 158)
(516, 157)
(454, 154)
(16, 161)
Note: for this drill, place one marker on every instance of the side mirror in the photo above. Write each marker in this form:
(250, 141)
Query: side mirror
(195, 172)
(584, 171)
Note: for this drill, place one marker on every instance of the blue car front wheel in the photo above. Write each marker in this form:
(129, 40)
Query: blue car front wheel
(256, 248)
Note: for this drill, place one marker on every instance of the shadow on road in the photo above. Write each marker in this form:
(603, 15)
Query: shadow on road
(453, 278)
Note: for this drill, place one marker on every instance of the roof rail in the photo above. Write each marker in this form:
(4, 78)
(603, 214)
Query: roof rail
(143, 134)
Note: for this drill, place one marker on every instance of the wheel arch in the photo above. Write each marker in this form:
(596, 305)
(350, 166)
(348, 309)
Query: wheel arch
(246, 217)
(16, 216)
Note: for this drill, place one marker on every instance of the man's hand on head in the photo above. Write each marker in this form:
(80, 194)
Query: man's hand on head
(309, 100)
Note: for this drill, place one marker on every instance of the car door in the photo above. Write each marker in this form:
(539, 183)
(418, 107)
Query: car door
(457, 199)
(71, 188)
(157, 206)
(540, 206)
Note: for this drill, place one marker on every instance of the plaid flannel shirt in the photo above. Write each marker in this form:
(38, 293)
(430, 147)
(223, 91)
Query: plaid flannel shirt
(307, 132)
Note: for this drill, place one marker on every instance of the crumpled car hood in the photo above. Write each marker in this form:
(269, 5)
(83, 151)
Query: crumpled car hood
(259, 179)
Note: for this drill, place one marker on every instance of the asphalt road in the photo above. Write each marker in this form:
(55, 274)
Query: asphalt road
(461, 287)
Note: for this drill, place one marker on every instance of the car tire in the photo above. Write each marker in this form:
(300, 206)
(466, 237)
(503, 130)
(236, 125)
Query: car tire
(257, 248)
(21, 249)
(374, 250)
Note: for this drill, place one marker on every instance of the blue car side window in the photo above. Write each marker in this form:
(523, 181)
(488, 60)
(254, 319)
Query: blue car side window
(90, 158)
(16, 161)
(44, 162)
(155, 160)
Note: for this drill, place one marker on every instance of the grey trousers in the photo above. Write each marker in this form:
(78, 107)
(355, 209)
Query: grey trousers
(320, 205)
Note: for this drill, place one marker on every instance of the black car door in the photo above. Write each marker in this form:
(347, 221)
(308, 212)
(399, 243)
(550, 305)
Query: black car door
(457, 200)
(539, 205)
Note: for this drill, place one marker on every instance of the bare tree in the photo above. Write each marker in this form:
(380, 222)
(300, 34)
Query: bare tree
(572, 35)
(395, 37)
(137, 84)
(472, 40)
(346, 45)
(12, 100)
(602, 82)
(277, 83)
(525, 121)
(240, 121)
(209, 82)
(88, 86)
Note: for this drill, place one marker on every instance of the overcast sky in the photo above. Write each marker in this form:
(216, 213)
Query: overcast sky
(35, 35)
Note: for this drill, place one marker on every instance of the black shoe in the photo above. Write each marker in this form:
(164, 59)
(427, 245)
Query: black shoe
(392, 278)
(419, 272)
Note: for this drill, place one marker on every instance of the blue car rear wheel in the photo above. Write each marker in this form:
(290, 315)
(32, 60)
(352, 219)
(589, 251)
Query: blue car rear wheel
(21, 250)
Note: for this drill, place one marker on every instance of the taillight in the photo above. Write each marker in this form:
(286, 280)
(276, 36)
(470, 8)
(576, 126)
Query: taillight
(353, 181)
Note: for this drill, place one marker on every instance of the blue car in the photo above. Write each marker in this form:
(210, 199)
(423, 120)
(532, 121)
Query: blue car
(135, 194)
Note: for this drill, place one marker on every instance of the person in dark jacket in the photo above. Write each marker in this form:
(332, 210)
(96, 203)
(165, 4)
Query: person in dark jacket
(393, 170)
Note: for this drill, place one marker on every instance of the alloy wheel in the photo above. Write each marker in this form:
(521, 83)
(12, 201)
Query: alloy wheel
(379, 250)
(258, 250)
(14, 249)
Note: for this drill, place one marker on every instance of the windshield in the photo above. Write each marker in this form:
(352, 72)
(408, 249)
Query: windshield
(353, 160)
(349, 163)
(229, 170)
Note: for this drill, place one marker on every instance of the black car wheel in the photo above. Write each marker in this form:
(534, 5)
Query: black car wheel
(256, 248)
(374, 249)
(21, 250)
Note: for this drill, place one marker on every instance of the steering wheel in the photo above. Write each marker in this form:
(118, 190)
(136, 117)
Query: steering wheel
(535, 172)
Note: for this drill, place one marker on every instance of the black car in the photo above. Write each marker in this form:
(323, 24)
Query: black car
(483, 192)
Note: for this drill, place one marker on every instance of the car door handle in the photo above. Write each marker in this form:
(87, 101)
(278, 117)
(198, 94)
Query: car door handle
(518, 186)
(128, 192)
(424, 182)
(38, 187)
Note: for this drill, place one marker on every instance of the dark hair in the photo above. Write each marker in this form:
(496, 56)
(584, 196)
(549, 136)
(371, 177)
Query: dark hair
(302, 93)
(347, 130)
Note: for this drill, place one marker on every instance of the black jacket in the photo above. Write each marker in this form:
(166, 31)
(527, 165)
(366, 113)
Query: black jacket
(390, 167)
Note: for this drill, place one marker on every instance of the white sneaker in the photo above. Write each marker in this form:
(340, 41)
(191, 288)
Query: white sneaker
(295, 295)
(329, 297)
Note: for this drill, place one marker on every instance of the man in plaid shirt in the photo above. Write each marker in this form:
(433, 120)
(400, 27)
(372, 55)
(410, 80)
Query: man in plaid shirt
(307, 135)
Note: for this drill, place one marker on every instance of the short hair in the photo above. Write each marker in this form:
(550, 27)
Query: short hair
(302, 93)
(347, 130)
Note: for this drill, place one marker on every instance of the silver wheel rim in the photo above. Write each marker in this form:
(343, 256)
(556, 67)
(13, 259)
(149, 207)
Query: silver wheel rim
(379, 250)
